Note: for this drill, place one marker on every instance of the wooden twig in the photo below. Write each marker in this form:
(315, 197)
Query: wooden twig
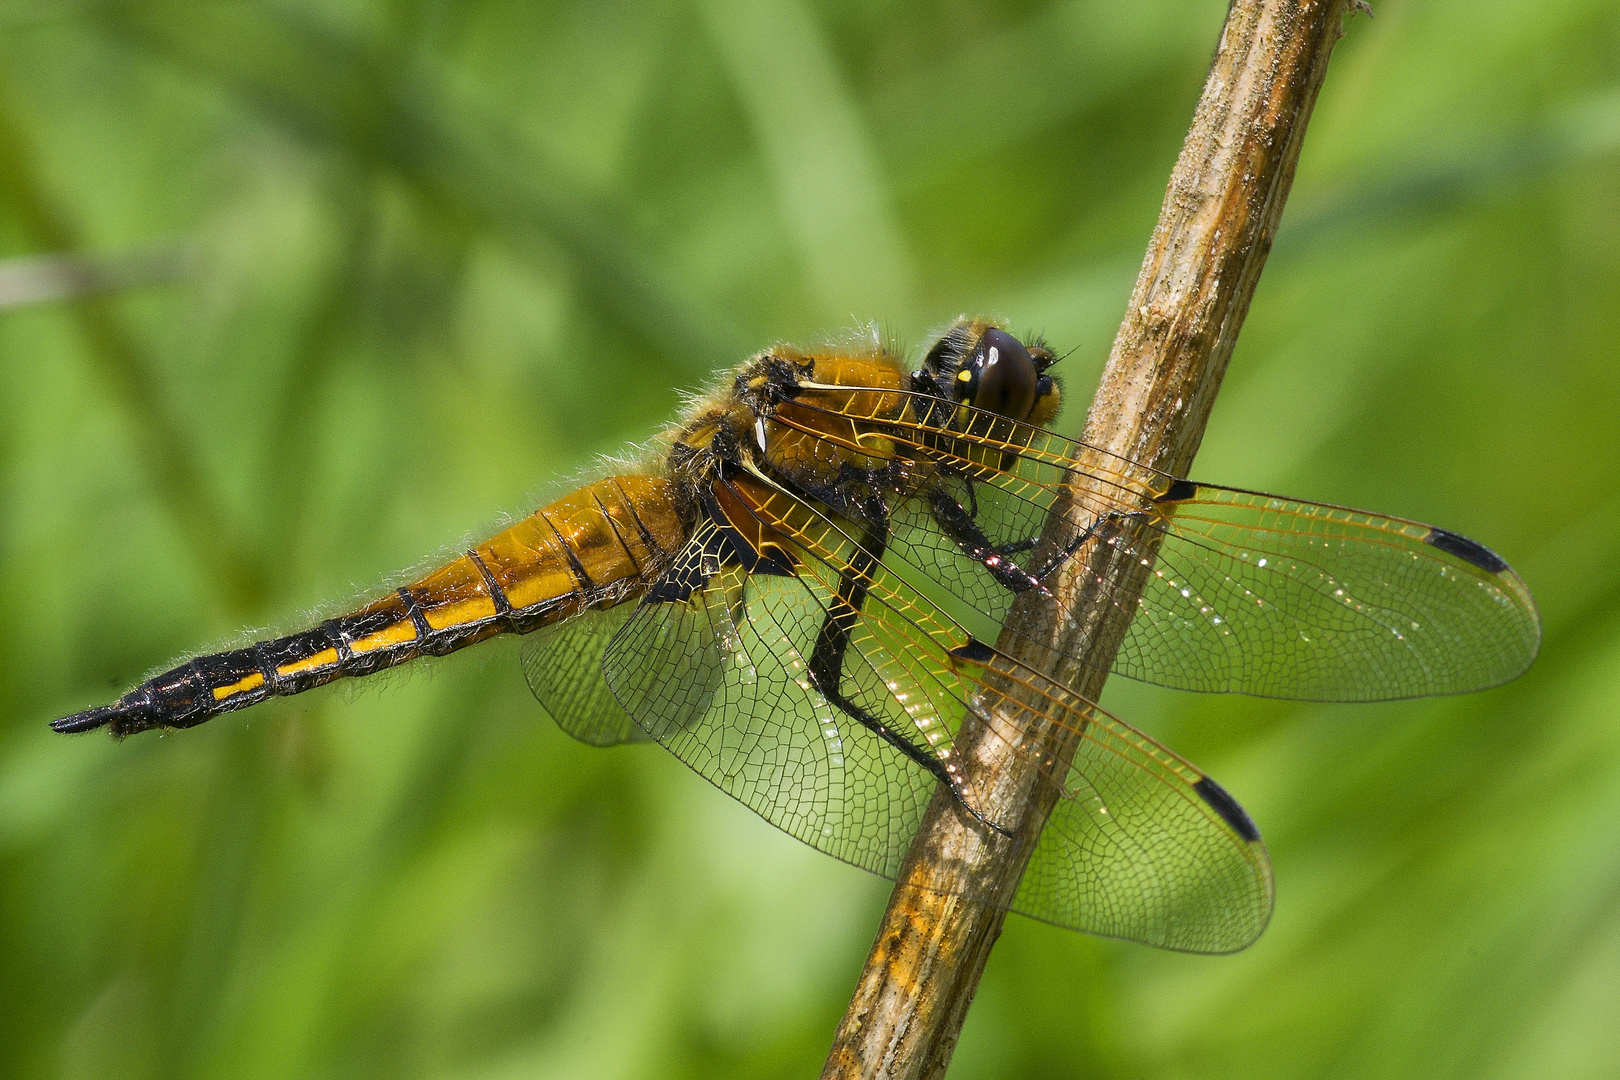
(1215, 229)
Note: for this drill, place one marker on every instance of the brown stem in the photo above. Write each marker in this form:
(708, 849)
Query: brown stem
(1215, 229)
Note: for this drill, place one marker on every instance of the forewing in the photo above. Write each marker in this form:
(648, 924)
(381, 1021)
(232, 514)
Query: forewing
(563, 665)
(1245, 592)
(1281, 598)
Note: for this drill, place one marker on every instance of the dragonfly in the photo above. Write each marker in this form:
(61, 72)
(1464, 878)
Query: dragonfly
(806, 591)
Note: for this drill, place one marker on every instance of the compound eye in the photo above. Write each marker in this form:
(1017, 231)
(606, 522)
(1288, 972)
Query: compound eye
(1004, 376)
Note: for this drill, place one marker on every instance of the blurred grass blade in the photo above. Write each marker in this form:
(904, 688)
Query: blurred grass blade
(1438, 183)
(238, 576)
(390, 111)
(820, 154)
(40, 279)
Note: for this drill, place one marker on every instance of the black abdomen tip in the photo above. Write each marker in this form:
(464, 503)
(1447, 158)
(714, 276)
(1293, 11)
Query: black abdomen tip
(123, 717)
(88, 720)
(1226, 806)
(1469, 551)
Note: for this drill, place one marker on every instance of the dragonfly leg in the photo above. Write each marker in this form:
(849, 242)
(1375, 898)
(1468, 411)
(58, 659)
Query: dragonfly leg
(1017, 547)
(1066, 553)
(827, 665)
(957, 522)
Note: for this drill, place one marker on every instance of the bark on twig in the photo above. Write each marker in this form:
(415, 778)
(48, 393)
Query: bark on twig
(1215, 229)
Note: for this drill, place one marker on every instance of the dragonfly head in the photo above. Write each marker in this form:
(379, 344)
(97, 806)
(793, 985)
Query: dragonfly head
(979, 364)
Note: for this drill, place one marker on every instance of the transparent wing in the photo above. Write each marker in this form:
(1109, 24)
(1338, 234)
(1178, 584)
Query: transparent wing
(1246, 592)
(1281, 598)
(767, 737)
(563, 665)
(1140, 845)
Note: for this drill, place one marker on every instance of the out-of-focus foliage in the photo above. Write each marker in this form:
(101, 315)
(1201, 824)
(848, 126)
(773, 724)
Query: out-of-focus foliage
(382, 269)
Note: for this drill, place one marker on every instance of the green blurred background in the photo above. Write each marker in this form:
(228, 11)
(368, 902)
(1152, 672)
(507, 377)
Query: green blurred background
(371, 273)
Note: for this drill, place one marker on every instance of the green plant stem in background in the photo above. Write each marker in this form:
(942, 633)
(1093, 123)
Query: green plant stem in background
(238, 575)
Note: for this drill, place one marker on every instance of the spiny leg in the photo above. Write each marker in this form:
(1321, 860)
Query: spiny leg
(958, 523)
(1110, 520)
(832, 642)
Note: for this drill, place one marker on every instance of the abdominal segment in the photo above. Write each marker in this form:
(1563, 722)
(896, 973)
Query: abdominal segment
(594, 548)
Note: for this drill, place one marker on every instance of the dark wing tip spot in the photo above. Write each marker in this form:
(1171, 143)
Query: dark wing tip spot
(974, 652)
(1226, 806)
(1469, 551)
(1180, 491)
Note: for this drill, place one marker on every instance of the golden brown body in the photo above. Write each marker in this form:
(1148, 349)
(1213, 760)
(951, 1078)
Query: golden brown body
(819, 559)
(594, 547)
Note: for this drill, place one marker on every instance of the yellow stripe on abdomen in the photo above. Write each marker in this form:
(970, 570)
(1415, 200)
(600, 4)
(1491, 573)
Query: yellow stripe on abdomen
(325, 658)
(242, 686)
(397, 634)
(599, 546)
(601, 542)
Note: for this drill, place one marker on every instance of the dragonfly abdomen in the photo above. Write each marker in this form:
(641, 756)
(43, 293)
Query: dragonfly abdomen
(594, 548)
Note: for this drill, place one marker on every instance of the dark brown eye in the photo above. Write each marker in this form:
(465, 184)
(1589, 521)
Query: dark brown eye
(1000, 376)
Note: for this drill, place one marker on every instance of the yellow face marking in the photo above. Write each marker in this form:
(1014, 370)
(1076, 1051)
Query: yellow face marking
(324, 658)
(252, 682)
(964, 377)
(397, 634)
